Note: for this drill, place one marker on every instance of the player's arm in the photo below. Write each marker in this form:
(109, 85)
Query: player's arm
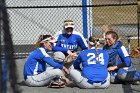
(52, 63)
(82, 42)
(62, 49)
(77, 62)
(106, 58)
(126, 61)
(45, 57)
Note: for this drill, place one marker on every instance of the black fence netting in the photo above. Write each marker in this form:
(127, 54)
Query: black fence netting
(30, 18)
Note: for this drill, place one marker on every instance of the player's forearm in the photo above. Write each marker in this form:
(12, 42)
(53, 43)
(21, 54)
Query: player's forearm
(121, 65)
(112, 68)
(52, 63)
(57, 48)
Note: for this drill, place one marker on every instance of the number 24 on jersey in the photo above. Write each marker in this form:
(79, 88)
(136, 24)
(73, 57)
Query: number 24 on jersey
(93, 59)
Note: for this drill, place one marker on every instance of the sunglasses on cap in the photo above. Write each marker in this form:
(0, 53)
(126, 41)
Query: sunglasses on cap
(69, 23)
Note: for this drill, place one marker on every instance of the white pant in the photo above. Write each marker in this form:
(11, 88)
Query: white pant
(82, 81)
(43, 78)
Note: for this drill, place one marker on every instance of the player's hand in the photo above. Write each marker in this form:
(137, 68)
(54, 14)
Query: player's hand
(69, 52)
(72, 55)
(66, 80)
(112, 68)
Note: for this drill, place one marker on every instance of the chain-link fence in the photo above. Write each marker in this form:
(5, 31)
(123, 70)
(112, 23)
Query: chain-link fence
(30, 18)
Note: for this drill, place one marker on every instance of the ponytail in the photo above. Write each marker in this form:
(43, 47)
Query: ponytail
(94, 41)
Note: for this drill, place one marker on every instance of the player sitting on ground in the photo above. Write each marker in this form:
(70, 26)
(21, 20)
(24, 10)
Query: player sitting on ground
(36, 71)
(70, 39)
(120, 66)
(93, 73)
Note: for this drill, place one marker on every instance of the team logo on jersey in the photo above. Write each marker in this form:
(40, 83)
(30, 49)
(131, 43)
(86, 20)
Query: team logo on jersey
(62, 40)
(69, 46)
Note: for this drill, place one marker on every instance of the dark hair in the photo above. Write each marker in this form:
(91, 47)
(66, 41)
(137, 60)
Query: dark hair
(113, 33)
(41, 37)
(95, 42)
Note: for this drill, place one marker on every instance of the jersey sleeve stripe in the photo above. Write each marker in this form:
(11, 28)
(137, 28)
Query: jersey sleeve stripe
(124, 51)
(44, 52)
(35, 70)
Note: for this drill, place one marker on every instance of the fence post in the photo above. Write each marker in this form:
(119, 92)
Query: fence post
(138, 15)
(1, 70)
(84, 14)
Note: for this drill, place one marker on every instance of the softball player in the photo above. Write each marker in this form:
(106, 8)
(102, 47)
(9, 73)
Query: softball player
(120, 66)
(71, 39)
(93, 73)
(36, 72)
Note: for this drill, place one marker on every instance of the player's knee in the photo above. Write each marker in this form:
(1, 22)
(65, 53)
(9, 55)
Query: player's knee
(122, 74)
(112, 79)
(72, 72)
(58, 72)
(59, 56)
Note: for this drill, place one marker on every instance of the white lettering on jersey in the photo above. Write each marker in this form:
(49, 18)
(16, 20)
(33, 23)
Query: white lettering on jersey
(69, 46)
(92, 58)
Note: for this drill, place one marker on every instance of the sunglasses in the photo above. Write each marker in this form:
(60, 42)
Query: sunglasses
(68, 23)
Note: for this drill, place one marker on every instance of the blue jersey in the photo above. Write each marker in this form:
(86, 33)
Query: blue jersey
(37, 62)
(94, 67)
(118, 55)
(72, 42)
(57, 48)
